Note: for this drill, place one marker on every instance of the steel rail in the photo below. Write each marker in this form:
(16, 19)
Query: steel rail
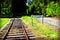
(24, 30)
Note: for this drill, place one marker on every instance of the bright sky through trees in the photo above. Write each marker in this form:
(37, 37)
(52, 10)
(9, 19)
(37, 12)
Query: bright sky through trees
(28, 1)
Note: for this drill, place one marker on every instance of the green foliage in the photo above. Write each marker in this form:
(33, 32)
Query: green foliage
(36, 7)
(53, 9)
(6, 7)
(47, 8)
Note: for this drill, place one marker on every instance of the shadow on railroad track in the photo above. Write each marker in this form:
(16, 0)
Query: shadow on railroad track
(11, 16)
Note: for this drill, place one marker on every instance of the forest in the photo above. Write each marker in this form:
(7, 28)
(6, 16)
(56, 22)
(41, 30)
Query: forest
(17, 8)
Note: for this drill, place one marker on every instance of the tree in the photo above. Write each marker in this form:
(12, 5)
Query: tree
(6, 8)
(36, 7)
(53, 9)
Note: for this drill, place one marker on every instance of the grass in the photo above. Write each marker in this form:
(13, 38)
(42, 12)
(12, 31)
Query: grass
(3, 21)
(44, 29)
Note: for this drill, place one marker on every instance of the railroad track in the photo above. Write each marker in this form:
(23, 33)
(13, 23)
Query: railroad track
(17, 31)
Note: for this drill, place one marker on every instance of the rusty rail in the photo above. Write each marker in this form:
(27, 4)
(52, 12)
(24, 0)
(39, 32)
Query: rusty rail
(27, 38)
